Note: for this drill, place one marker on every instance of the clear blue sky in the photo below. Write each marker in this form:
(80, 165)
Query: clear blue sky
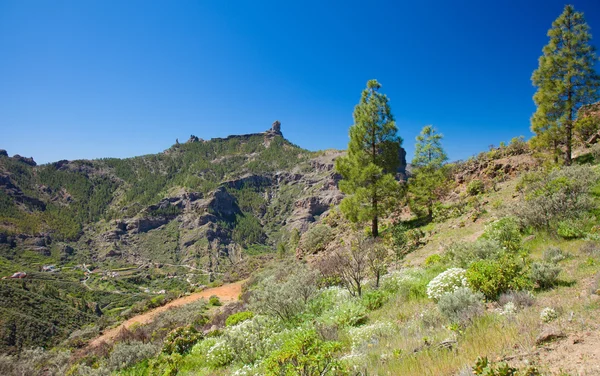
(108, 78)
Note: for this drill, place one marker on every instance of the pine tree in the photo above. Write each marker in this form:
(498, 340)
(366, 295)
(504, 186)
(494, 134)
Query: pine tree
(429, 182)
(565, 79)
(372, 160)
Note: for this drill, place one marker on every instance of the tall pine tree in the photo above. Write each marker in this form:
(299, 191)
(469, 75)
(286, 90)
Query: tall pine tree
(429, 182)
(565, 79)
(372, 160)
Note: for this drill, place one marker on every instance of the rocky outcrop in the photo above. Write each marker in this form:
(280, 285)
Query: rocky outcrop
(3, 153)
(10, 189)
(275, 129)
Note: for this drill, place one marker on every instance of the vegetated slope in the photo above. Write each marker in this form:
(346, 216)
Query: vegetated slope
(172, 221)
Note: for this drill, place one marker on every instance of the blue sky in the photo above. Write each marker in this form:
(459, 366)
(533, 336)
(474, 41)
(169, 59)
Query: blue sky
(91, 79)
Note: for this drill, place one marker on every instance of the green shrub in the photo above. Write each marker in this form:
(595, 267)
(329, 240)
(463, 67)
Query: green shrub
(551, 198)
(461, 305)
(252, 339)
(238, 317)
(181, 340)
(462, 254)
(433, 260)
(475, 187)
(315, 239)
(484, 367)
(570, 229)
(214, 300)
(493, 277)
(373, 299)
(348, 313)
(544, 275)
(506, 232)
(554, 255)
(304, 353)
(126, 354)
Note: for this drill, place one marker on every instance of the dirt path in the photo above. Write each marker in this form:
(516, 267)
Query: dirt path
(227, 293)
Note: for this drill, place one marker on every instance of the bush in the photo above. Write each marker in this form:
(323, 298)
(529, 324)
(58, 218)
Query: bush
(462, 254)
(506, 232)
(544, 275)
(433, 260)
(570, 229)
(551, 198)
(373, 299)
(368, 335)
(554, 255)
(315, 239)
(125, 354)
(214, 300)
(520, 299)
(446, 282)
(348, 313)
(284, 295)
(461, 305)
(303, 353)
(238, 317)
(548, 314)
(475, 187)
(493, 277)
(252, 339)
(181, 340)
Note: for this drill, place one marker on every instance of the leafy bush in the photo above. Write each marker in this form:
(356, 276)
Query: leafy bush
(126, 354)
(446, 282)
(214, 300)
(216, 352)
(462, 254)
(303, 353)
(554, 255)
(349, 313)
(284, 296)
(409, 283)
(493, 277)
(550, 198)
(181, 340)
(405, 239)
(315, 239)
(506, 232)
(570, 229)
(475, 187)
(544, 274)
(461, 305)
(238, 317)
(433, 260)
(373, 299)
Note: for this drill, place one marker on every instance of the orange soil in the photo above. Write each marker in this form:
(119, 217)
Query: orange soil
(226, 293)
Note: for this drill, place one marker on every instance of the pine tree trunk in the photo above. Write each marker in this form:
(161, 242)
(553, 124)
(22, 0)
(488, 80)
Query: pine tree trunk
(569, 128)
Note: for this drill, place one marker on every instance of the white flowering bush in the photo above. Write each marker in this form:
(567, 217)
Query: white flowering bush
(446, 282)
(215, 352)
(249, 370)
(509, 309)
(252, 339)
(548, 314)
(366, 335)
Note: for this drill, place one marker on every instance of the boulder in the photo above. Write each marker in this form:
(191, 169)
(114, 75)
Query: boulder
(29, 161)
(549, 334)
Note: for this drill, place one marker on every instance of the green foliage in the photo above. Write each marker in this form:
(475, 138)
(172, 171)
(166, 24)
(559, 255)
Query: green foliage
(316, 239)
(181, 340)
(406, 239)
(493, 277)
(543, 274)
(506, 232)
(126, 354)
(565, 80)
(548, 198)
(373, 299)
(430, 180)
(304, 354)
(475, 187)
(462, 254)
(554, 255)
(372, 159)
(214, 301)
(570, 229)
(238, 317)
(433, 260)
(461, 305)
(585, 127)
(248, 231)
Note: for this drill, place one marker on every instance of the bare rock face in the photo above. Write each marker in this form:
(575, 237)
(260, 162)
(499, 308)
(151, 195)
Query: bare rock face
(275, 129)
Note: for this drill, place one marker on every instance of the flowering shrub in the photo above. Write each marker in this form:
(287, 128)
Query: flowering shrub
(548, 314)
(363, 336)
(508, 309)
(219, 354)
(446, 282)
(252, 339)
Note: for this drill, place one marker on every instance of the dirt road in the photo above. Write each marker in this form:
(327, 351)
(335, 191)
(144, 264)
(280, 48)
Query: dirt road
(226, 293)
